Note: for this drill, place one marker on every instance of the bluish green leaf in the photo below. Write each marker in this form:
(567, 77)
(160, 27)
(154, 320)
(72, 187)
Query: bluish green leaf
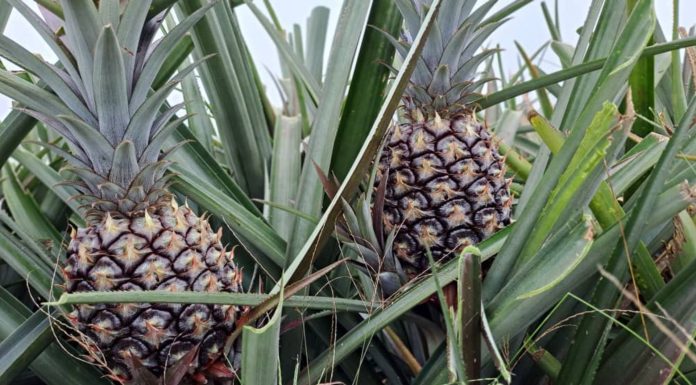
(24, 344)
(110, 89)
(159, 54)
(53, 366)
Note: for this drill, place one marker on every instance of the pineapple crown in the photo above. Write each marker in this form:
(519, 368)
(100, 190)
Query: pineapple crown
(361, 229)
(100, 98)
(444, 80)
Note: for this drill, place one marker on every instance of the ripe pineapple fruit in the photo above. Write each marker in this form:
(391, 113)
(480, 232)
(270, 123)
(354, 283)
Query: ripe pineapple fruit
(137, 237)
(446, 181)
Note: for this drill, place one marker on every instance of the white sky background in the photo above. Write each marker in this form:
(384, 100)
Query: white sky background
(527, 27)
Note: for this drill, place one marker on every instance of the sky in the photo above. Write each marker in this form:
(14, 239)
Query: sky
(527, 27)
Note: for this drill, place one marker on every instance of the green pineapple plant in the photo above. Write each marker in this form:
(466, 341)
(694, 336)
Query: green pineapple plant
(446, 184)
(451, 145)
(136, 236)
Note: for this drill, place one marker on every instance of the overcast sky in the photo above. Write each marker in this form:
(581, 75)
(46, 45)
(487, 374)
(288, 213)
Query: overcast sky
(527, 27)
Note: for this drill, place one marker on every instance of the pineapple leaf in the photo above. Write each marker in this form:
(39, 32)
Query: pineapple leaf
(79, 157)
(150, 110)
(27, 213)
(201, 122)
(201, 164)
(465, 69)
(31, 95)
(152, 152)
(129, 30)
(285, 172)
(410, 14)
(628, 359)
(24, 344)
(558, 258)
(65, 155)
(641, 83)
(637, 162)
(159, 54)
(370, 257)
(317, 24)
(165, 118)
(177, 56)
(480, 37)
(591, 151)
(53, 77)
(49, 37)
(351, 219)
(230, 82)
(13, 129)
(330, 186)
(25, 261)
(440, 83)
(289, 57)
(368, 85)
(572, 72)
(82, 15)
(93, 143)
(49, 177)
(433, 48)
(421, 72)
(367, 231)
(450, 23)
(670, 203)
(506, 11)
(494, 351)
(476, 17)
(326, 121)
(124, 166)
(53, 366)
(433, 372)
(260, 349)
(585, 354)
(456, 365)
(241, 299)
(110, 89)
(632, 39)
(82, 28)
(109, 12)
(453, 50)
(5, 12)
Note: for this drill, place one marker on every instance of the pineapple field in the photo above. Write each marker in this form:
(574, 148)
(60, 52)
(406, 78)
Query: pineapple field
(399, 204)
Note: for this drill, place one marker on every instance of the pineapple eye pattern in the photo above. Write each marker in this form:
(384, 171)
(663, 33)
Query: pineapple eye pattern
(447, 191)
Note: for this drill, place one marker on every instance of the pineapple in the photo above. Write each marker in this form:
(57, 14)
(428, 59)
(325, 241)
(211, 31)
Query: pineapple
(137, 237)
(446, 184)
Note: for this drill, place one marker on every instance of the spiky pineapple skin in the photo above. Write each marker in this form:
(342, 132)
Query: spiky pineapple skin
(172, 249)
(446, 186)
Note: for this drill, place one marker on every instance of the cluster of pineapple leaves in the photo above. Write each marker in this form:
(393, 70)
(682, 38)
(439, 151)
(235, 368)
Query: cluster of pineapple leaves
(593, 283)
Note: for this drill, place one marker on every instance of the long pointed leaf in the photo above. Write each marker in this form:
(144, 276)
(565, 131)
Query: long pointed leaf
(110, 90)
(24, 345)
(325, 125)
(159, 54)
(53, 366)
